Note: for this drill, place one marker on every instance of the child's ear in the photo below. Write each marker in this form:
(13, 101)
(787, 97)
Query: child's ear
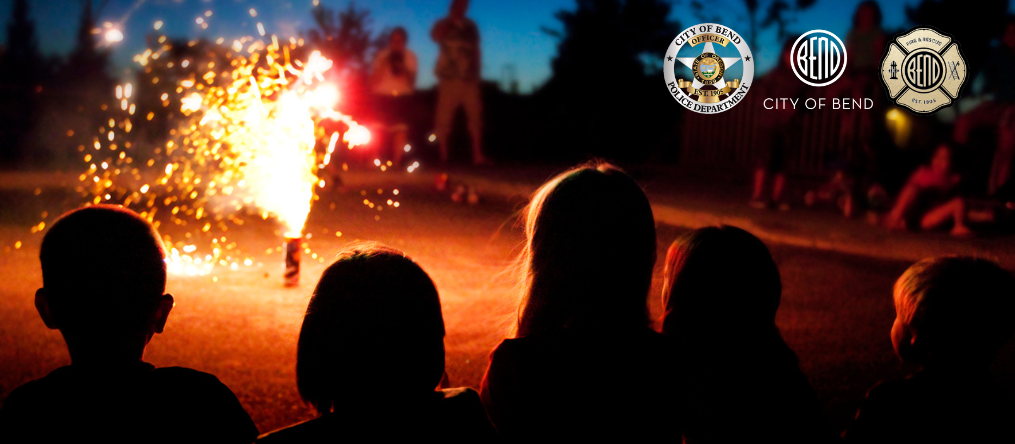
(42, 305)
(164, 305)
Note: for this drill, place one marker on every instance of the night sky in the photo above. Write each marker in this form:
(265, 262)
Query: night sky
(510, 30)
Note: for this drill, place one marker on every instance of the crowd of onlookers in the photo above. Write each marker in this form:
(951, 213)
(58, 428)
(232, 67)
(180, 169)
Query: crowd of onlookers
(584, 364)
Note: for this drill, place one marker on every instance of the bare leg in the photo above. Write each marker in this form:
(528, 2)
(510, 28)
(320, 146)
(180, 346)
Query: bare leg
(398, 147)
(448, 96)
(954, 210)
(759, 184)
(778, 184)
(473, 103)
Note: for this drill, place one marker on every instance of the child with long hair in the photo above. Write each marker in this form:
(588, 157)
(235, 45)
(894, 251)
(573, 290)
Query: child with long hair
(739, 381)
(584, 349)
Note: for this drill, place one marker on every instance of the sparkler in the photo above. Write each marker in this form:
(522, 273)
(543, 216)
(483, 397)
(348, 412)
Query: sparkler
(252, 115)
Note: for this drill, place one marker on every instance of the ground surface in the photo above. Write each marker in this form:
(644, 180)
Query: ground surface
(836, 309)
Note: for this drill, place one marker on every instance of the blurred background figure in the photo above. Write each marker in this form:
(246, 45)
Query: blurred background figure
(773, 139)
(458, 81)
(930, 199)
(393, 82)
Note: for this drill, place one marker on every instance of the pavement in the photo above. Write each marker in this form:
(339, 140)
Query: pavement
(693, 198)
(681, 197)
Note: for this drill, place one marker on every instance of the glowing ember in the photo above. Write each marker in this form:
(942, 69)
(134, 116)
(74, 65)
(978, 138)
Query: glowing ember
(113, 35)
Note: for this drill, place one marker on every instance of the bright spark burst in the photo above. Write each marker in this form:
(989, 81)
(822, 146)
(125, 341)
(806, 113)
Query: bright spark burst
(252, 115)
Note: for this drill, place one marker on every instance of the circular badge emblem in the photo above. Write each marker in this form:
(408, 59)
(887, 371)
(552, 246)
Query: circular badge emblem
(923, 70)
(818, 58)
(708, 68)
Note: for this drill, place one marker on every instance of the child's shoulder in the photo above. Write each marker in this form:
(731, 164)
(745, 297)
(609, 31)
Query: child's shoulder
(182, 382)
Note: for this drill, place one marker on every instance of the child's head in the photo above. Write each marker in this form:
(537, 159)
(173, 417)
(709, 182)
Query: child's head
(103, 277)
(953, 311)
(458, 8)
(398, 38)
(719, 280)
(373, 327)
(941, 161)
(589, 255)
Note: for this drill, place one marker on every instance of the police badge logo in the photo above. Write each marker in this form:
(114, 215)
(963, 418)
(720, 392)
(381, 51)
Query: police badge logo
(716, 63)
(923, 70)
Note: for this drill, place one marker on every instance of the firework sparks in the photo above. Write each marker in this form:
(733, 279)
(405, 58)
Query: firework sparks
(252, 115)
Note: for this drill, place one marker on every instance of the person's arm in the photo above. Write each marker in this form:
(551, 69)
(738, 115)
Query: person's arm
(413, 67)
(377, 67)
(907, 197)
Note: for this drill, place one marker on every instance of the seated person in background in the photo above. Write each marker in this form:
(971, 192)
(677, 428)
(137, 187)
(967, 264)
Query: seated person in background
(371, 356)
(585, 366)
(952, 317)
(929, 200)
(739, 381)
(104, 279)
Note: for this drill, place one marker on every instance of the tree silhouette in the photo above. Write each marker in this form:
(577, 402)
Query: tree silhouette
(20, 77)
(607, 78)
(345, 37)
(973, 27)
(82, 97)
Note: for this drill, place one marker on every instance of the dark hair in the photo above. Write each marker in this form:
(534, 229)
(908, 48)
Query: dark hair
(373, 326)
(959, 307)
(589, 255)
(719, 275)
(399, 30)
(103, 266)
(875, 9)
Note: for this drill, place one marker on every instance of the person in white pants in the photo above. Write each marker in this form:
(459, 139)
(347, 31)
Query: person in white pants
(457, 70)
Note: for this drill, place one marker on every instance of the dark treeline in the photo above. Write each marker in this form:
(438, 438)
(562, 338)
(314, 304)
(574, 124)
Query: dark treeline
(52, 105)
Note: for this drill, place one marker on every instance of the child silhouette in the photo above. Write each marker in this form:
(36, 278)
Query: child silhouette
(371, 354)
(585, 364)
(739, 381)
(104, 279)
(953, 315)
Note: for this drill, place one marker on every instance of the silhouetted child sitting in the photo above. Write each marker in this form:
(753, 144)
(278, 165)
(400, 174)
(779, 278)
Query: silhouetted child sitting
(585, 365)
(371, 356)
(739, 381)
(952, 317)
(104, 279)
